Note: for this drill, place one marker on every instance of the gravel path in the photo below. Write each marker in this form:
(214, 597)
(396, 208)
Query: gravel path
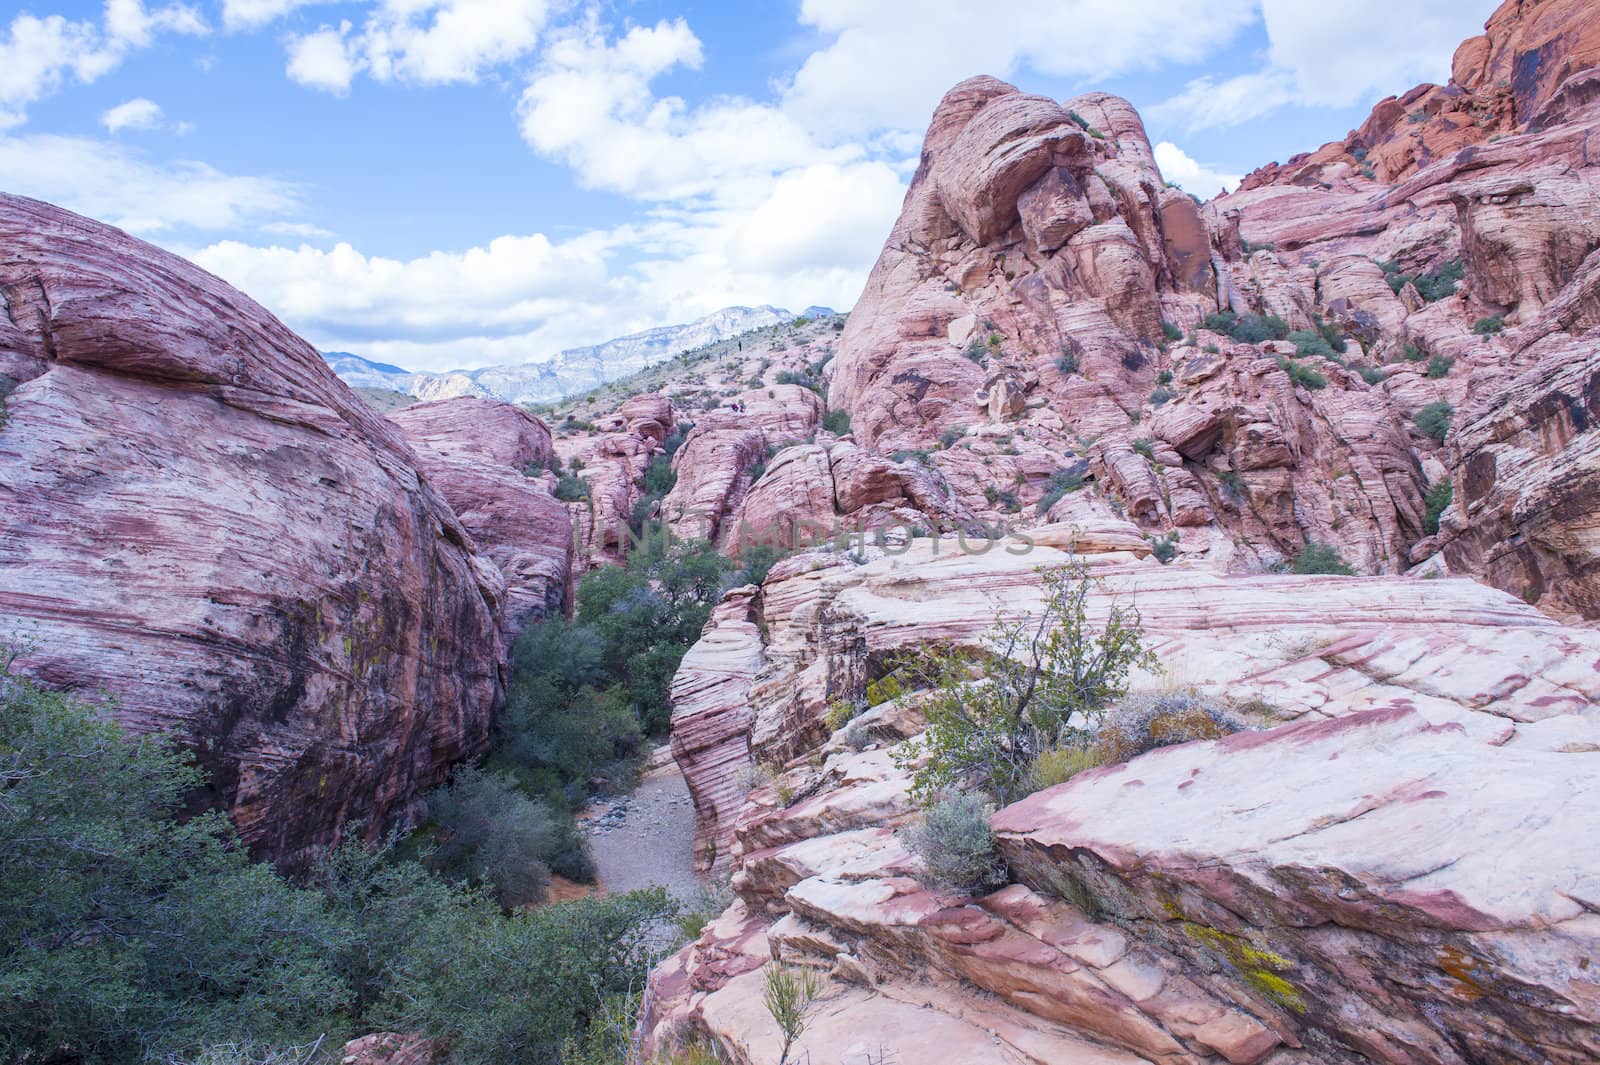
(646, 837)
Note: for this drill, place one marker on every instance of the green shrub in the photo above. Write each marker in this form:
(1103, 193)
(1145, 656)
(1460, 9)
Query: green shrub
(957, 846)
(1438, 499)
(1415, 353)
(1143, 722)
(518, 987)
(1002, 498)
(1301, 374)
(1067, 363)
(1062, 483)
(1059, 765)
(571, 488)
(756, 561)
(804, 380)
(951, 436)
(837, 422)
(1489, 326)
(1437, 284)
(1164, 548)
(1370, 374)
(1232, 484)
(1308, 342)
(1161, 396)
(1171, 332)
(1048, 678)
(127, 933)
(1434, 420)
(1317, 558)
(1439, 366)
(1211, 349)
(492, 835)
(788, 994)
(1146, 447)
(1249, 328)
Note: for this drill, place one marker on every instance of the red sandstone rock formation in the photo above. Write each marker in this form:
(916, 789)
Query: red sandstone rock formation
(488, 460)
(1037, 317)
(199, 519)
(1320, 892)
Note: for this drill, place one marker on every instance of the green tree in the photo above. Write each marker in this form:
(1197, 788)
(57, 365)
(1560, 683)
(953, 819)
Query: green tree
(515, 988)
(126, 933)
(1043, 679)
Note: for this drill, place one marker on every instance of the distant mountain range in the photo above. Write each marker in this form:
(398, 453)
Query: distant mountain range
(568, 372)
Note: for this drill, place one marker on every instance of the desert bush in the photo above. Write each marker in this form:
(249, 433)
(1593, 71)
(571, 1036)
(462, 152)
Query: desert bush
(1171, 332)
(1146, 447)
(1302, 375)
(1317, 558)
(1232, 484)
(1164, 548)
(571, 488)
(1161, 396)
(1439, 366)
(1489, 326)
(248, 1053)
(1067, 362)
(957, 846)
(837, 422)
(1434, 420)
(1044, 679)
(1145, 721)
(1436, 284)
(1059, 765)
(493, 835)
(1438, 499)
(951, 436)
(1370, 374)
(128, 933)
(788, 994)
(1063, 482)
(1308, 342)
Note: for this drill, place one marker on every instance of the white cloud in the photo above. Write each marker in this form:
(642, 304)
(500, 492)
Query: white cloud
(1328, 55)
(38, 54)
(929, 45)
(423, 42)
(324, 59)
(111, 183)
(303, 230)
(1196, 178)
(253, 14)
(589, 104)
(1206, 103)
(138, 113)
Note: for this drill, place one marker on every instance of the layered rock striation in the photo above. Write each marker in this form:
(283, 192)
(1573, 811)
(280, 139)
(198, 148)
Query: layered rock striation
(200, 521)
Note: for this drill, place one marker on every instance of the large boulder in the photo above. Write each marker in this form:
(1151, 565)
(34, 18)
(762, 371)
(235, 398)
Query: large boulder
(199, 520)
(487, 459)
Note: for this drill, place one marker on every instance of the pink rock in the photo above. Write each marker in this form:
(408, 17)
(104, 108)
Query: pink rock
(198, 518)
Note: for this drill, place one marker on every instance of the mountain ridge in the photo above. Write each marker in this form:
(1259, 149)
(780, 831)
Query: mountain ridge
(570, 371)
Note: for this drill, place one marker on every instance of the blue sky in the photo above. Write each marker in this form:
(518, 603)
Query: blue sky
(443, 183)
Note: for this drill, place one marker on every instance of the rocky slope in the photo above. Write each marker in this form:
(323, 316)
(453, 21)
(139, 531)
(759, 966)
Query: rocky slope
(1316, 891)
(1057, 351)
(1045, 312)
(199, 519)
(569, 372)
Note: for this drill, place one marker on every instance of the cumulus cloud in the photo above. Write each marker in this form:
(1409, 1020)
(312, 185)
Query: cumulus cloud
(138, 113)
(112, 183)
(38, 54)
(253, 14)
(324, 60)
(1196, 178)
(589, 104)
(422, 42)
(929, 45)
(1327, 55)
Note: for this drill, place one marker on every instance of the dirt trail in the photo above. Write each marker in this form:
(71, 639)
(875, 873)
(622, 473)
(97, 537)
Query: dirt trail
(646, 838)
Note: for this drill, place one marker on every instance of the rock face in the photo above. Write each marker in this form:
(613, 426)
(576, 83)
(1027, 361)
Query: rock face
(1317, 890)
(488, 460)
(198, 518)
(1048, 317)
